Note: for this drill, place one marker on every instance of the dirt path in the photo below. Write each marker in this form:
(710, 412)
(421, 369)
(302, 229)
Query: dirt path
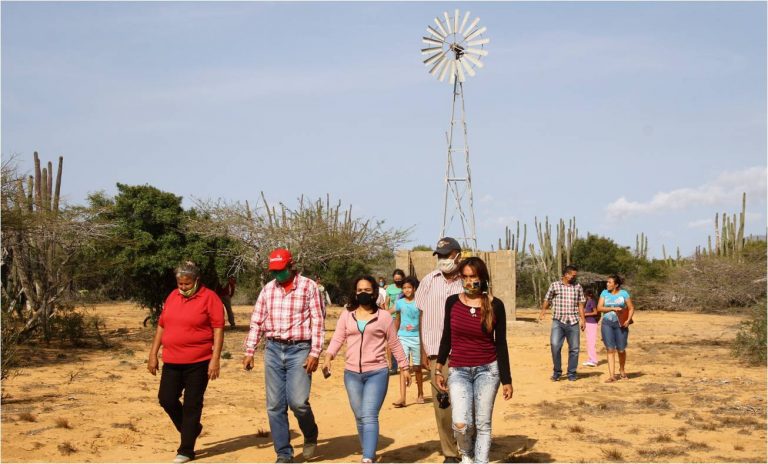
(686, 400)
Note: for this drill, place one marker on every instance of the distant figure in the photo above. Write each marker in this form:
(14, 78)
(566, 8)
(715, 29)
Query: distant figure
(191, 332)
(431, 295)
(289, 314)
(393, 292)
(408, 334)
(567, 300)
(475, 337)
(324, 297)
(592, 318)
(226, 293)
(618, 308)
(366, 329)
(381, 300)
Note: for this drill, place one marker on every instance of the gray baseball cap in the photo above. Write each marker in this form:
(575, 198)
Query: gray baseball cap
(446, 245)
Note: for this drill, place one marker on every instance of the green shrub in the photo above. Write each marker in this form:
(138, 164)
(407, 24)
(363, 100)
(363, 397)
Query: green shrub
(750, 342)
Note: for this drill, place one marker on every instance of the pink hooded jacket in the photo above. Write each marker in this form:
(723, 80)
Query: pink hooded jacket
(366, 351)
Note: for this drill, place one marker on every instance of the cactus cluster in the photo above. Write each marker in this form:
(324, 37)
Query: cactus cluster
(513, 242)
(641, 246)
(41, 194)
(729, 233)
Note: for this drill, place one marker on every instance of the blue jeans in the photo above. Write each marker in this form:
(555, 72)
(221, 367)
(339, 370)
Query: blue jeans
(614, 335)
(473, 392)
(366, 392)
(560, 332)
(288, 385)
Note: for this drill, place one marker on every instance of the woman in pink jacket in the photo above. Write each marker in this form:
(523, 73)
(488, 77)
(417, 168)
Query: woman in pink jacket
(367, 330)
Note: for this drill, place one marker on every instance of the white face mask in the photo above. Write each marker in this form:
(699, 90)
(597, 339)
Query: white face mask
(447, 265)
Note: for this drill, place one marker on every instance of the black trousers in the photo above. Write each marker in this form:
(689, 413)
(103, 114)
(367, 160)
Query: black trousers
(192, 379)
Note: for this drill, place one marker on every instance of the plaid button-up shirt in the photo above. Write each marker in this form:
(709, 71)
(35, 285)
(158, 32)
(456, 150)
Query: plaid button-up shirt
(565, 299)
(294, 315)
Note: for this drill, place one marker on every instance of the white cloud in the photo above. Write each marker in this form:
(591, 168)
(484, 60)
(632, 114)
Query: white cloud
(700, 223)
(727, 187)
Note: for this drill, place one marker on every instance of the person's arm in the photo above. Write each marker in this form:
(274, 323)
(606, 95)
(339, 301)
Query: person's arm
(631, 309)
(338, 339)
(592, 308)
(214, 366)
(152, 362)
(258, 317)
(502, 350)
(547, 298)
(421, 300)
(602, 308)
(317, 321)
(445, 345)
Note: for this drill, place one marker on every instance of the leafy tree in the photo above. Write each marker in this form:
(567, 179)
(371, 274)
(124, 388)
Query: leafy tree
(602, 255)
(148, 240)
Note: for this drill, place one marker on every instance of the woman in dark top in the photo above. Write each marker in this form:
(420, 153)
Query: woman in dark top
(475, 336)
(592, 317)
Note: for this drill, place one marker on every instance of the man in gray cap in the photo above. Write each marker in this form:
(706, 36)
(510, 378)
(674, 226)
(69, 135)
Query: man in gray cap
(433, 290)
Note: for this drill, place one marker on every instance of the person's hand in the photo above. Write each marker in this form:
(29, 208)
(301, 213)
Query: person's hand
(424, 360)
(327, 364)
(248, 362)
(310, 365)
(152, 364)
(582, 324)
(213, 369)
(440, 382)
(626, 323)
(507, 391)
(406, 374)
(541, 316)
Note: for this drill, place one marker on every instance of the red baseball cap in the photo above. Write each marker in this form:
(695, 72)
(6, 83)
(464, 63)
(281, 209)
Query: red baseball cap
(279, 259)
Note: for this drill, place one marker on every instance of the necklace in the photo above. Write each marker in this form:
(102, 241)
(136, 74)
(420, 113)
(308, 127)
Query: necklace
(472, 309)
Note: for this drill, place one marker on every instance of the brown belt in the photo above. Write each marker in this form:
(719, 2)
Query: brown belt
(287, 342)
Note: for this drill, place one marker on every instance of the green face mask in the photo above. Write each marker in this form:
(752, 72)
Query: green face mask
(191, 291)
(282, 276)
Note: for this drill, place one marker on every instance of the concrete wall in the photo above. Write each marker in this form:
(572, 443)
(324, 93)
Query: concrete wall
(501, 265)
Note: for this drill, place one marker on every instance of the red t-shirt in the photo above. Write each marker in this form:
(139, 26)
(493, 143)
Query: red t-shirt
(470, 346)
(188, 325)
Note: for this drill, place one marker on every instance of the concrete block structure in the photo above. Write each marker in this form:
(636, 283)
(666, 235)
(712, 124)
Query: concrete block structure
(501, 265)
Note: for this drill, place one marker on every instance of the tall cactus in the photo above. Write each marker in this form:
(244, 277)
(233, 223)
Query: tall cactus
(513, 242)
(729, 233)
(641, 246)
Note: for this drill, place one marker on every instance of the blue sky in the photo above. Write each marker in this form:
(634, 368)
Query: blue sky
(632, 117)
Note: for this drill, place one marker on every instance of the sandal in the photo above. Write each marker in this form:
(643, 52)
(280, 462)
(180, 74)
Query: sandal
(398, 405)
(624, 376)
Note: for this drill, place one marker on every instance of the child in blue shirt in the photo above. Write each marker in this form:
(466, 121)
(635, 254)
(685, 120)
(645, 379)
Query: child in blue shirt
(410, 320)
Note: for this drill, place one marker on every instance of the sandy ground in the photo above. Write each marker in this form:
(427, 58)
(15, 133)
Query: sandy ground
(686, 400)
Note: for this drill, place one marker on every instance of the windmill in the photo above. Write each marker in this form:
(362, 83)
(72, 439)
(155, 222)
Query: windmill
(455, 50)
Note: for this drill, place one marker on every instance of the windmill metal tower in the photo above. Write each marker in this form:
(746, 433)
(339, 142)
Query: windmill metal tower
(456, 50)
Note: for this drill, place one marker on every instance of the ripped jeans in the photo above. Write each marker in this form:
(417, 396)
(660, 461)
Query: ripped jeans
(473, 392)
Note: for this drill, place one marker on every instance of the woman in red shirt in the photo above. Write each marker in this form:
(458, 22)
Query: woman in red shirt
(191, 332)
(475, 336)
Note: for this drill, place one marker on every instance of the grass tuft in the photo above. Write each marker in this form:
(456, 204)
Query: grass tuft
(612, 454)
(63, 423)
(576, 429)
(27, 417)
(66, 448)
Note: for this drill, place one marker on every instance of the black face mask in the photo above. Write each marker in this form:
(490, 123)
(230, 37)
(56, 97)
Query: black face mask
(398, 283)
(365, 299)
(574, 280)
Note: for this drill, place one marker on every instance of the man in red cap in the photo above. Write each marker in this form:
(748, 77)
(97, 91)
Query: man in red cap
(289, 314)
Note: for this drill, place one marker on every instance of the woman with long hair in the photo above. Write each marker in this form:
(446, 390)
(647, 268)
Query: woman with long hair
(475, 337)
(367, 330)
(617, 306)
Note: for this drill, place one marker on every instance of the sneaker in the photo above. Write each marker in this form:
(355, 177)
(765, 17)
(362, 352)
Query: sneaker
(181, 458)
(309, 450)
(466, 459)
(554, 378)
(571, 378)
(284, 459)
(589, 364)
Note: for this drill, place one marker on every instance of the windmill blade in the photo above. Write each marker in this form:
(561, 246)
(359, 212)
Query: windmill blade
(440, 27)
(445, 69)
(473, 24)
(456, 20)
(478, 42)
(460, 71)
(476, 51)
(453, 72)
(472, 60)
(434, 58)
(464, 22)
(431, 41)
(436, 68)
(430, 50)
(448, 22)
(432, 31)
(467, 68)
(475, 33)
